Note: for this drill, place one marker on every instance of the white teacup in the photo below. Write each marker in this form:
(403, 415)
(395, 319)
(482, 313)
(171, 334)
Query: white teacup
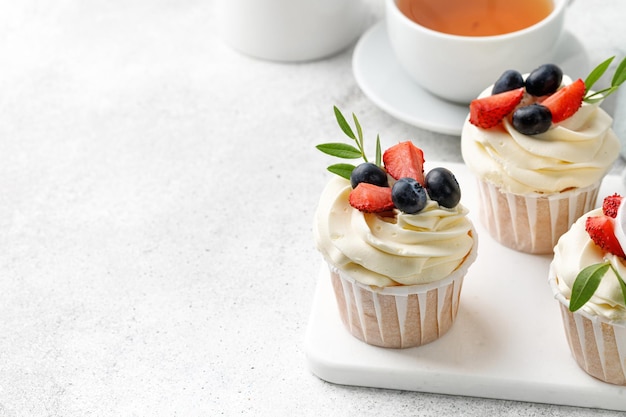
(290, 30)
(458, 68)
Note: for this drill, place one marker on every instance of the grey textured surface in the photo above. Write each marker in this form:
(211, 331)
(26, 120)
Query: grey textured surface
(157, 192)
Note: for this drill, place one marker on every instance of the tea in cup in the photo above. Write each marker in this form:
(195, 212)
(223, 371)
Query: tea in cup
(456, 48)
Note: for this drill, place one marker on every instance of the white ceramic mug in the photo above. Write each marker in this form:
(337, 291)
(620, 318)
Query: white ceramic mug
(458, 68)
(290, 30)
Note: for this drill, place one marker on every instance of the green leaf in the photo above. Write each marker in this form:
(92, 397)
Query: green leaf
(592, 100)
(586, 283)
(597, 96)
(622, 284)
(343, 170)
(359, 131)
(359, 140)
(347, 151)
(597, 73)
(618, 79)
(343, 124)
(378, 151)
(620, 74)
(340, 150)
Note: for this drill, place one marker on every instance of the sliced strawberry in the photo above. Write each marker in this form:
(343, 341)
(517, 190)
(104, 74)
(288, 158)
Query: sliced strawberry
(405, 160)
(370, 198)
(488, 111)
(611, 204)
(601, 231)
(566, 101)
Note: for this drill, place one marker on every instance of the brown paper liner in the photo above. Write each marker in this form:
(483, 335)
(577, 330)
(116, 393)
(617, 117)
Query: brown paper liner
(597, 344)
(532, 223)
(402, 316)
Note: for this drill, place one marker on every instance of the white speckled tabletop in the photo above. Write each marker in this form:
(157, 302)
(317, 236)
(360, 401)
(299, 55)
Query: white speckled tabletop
(157, 193)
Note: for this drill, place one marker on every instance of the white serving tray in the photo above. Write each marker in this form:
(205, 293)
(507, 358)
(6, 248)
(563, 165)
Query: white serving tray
(508, 341)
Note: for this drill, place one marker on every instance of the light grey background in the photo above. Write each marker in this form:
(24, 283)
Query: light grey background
(157, 193)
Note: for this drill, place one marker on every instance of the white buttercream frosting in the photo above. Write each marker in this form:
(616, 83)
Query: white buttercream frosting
(575, 251)
(577, 152)
(385, 250)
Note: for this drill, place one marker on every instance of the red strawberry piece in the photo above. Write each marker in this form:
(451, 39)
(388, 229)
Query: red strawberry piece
(611, 204)
(566, 101)
(601, 231)
(370, 198)
(405, 160)
(489, 111)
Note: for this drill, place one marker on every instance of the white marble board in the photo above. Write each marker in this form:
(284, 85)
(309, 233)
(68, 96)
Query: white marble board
(508, 341)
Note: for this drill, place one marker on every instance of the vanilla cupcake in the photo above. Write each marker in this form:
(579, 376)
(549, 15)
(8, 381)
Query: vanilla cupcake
(594, 318)
(398, 245)
(539, 147)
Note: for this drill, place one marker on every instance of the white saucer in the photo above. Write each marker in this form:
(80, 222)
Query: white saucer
(383, 81)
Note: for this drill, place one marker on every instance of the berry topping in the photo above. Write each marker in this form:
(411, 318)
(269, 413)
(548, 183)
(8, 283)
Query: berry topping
(532, 119)
(443, 187)
(405, 160)
(370, 198)
(566, 101)
(370, 173)
(487, 112)
(611, 204)
(408, 195)
(544, 80)
(509, 80)
(542, 86)
(601, 231)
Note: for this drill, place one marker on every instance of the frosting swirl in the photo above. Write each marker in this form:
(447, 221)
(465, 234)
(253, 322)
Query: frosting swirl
(575, 251)
(577, 152)
(379, 250)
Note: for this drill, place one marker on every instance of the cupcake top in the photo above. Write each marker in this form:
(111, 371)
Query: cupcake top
(539, 133)
(388, 225)
(392, 248)
(589, 262)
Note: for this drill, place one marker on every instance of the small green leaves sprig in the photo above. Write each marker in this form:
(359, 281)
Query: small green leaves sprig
(618, 78)
(346, 151)
(587, 282)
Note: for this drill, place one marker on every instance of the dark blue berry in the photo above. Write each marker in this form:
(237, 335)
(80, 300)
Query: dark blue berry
(408, 195)
(509, 80)
(544, 80)
(370, 173)
(532, 119)
(443, 187)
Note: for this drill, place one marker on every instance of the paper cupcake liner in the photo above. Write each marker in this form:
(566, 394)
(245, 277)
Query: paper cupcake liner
(597, 344)
(401, 316)
(532, 223)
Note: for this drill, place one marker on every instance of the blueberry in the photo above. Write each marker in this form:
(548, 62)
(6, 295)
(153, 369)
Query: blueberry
(532, 119)
(408, 195)
(544, 80)
(370, 173)
(443, 187)
(509, 80)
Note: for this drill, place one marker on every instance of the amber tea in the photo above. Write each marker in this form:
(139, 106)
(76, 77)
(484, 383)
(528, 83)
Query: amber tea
(476, 17)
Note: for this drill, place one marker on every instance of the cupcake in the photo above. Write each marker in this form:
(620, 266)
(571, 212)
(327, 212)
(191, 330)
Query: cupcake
(398, 243)
(539, 146)
(587, 278)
